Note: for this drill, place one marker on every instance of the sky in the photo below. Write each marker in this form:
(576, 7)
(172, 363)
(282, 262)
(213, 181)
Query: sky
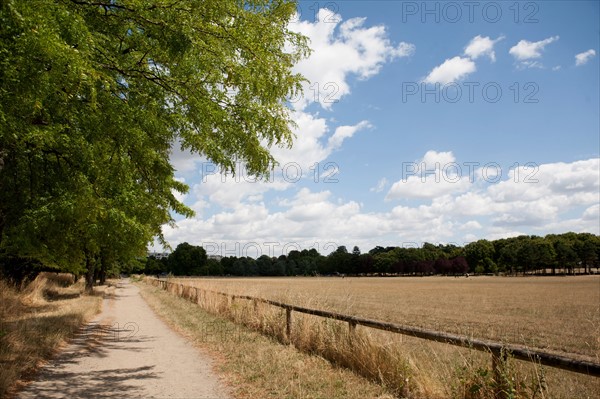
(440, 122)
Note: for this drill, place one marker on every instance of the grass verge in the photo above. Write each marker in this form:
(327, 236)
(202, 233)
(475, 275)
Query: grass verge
(257, 366)
(35, 321)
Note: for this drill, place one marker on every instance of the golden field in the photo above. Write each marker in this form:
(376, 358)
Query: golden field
(547, 312)
(553, 313)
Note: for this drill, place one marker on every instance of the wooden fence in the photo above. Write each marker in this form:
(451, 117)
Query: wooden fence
(499, 351)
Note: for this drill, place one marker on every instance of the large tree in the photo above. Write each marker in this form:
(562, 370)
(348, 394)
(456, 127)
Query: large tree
(187, 260)
(95, 95)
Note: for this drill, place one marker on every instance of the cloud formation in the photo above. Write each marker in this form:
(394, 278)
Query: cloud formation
(482, 46)
(583, 58)
(342, 49)
(437, 203)
(528, 53)
(451, 70)
(458, 68)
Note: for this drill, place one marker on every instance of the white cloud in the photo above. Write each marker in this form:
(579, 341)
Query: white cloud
(340, 50)
(526, 50)
(561, 184)
(313, 143)
(457, 68)
(530, 64)
(451, 70)
(434, 157)
(344, 132)
(308, 155)
(532, 199)
(227, 191)
(471, 225)
(592, 213)
(479, 46)
(434, 175)
(564, 198)
(381, 185)
(183, 160)
(583, 58)
(309, 146)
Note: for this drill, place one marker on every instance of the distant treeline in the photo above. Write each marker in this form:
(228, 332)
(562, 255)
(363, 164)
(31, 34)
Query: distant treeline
(568, 253)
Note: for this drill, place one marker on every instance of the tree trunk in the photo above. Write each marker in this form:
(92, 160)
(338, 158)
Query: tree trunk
(104, 260)
(97, 269)
(90, 273)
(102, 274)
(1, 224)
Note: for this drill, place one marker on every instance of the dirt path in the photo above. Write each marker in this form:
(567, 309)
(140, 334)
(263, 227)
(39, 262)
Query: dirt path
(127, 352)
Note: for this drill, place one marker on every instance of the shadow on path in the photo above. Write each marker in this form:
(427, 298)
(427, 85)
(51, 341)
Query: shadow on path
(113, 383)
(127, 352)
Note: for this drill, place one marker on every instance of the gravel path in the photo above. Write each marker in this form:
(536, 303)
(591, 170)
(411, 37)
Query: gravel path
(127, 352)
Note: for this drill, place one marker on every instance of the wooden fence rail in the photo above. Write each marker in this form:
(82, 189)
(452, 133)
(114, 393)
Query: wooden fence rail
(569, 362)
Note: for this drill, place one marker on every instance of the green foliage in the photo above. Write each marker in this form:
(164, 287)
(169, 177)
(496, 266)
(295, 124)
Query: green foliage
(479, 252)
(155, 266)
(523, 254)
(188, 260)
(96, 94)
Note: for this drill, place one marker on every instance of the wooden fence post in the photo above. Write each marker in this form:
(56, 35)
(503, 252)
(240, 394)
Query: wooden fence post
(288, 324)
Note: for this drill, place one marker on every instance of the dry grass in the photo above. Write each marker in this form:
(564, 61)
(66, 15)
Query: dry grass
(36, 320)
(556, 313)
(255, 365)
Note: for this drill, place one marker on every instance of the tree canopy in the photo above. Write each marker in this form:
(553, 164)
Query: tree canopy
(95, 95)
(569, 253)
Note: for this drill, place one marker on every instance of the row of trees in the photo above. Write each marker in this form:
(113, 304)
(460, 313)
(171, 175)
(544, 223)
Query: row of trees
(564, 253)
(95, 95)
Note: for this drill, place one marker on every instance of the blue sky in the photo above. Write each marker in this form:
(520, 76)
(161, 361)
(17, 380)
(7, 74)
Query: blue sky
(422, 122)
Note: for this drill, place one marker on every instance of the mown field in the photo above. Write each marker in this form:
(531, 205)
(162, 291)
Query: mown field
(553, 313)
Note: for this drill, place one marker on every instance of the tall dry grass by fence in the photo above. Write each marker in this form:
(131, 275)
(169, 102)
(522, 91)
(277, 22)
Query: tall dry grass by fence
(328, 339)
(361, 352)
(556, 313)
